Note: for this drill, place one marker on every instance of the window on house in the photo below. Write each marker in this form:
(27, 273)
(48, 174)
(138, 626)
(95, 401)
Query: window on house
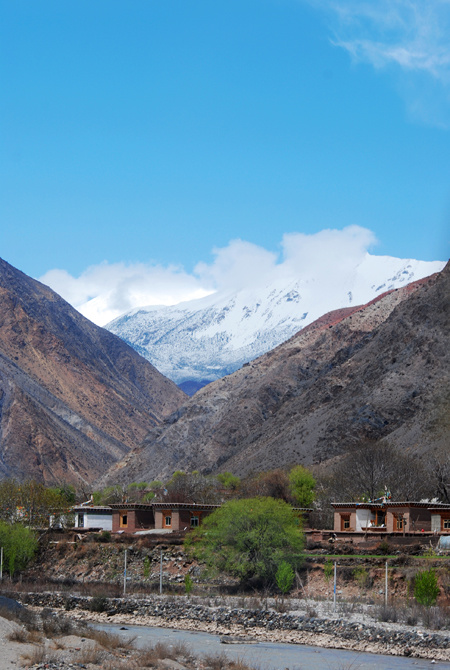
(194, 521)
(80, 523)
(167, 520)
(123, 520)
(345, 522)
(446, 524)
(399, 523)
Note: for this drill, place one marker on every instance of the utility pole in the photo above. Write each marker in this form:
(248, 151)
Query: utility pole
(125, 574)
(160, 574)
(334, 589)
(386, 585)
(1, 564)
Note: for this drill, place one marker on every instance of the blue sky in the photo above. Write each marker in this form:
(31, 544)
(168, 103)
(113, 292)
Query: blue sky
(149, 133)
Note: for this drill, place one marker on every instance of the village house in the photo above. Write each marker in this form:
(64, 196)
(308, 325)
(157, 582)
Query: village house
(93, 517)
(388, 517)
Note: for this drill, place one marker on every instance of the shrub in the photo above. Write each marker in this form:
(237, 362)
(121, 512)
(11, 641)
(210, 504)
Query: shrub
(188, 584)
(328, 570)
(426, 589)
(98, 604)
(284, 577)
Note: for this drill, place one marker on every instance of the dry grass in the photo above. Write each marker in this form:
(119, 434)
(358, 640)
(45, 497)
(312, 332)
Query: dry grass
(108, 640)
(39, 654)
(90, 654)
(18, 635)
(222, 662)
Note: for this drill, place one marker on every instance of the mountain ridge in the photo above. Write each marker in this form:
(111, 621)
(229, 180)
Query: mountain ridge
(378, 371)
(213, 336)
(74, 398)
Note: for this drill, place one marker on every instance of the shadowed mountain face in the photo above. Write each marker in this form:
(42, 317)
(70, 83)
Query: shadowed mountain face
(376, 371)
(73, 397)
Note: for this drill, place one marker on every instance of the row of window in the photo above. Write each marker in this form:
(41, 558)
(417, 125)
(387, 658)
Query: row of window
(380, 522)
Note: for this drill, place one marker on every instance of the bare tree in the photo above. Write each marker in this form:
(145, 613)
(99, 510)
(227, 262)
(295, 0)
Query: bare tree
(370, 468)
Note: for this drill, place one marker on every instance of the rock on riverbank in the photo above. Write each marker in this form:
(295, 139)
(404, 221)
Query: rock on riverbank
(339, 632)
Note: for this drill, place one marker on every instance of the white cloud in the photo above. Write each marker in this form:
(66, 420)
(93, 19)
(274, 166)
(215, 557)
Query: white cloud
(411, 37)
(104, 292)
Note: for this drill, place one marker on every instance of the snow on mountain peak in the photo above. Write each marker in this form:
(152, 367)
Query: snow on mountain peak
(210, 337)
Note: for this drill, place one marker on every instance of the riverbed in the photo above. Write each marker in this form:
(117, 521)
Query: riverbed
(269, 655)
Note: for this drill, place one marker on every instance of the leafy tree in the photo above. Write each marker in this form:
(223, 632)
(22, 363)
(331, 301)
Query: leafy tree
(302, 485)
(249, 539)
(426, 589)
(30, 503)
(110, 494)
(229, 481)
(19, 546)
(284, 577)
(65, 492)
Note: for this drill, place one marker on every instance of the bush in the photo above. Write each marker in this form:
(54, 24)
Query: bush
(19, 546)
(328, 570)
(284, 577)
(98, 604)
(188, 584)
(426, 589)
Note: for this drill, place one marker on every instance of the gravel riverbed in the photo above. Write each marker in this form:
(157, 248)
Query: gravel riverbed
(356, 631)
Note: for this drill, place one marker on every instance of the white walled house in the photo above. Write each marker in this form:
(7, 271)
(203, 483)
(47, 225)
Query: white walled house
(93, 517)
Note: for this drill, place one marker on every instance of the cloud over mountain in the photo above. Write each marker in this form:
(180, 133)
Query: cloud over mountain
(105, 291)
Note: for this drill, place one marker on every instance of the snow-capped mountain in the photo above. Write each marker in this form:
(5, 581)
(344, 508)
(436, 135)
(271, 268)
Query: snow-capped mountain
(206, 339)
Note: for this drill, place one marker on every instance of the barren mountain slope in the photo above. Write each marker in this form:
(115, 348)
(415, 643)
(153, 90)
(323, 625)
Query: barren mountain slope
(380, 370)
(73, 397)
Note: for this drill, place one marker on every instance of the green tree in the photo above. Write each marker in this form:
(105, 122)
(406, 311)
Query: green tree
(426, 589)
(229, 481)
(249, 539)
(19, 546)
(284, 577)
(302, 485)
(30, 503)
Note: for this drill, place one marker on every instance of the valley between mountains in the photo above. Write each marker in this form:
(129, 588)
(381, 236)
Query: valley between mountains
(78, 405)
(374, 372)
(74, 398)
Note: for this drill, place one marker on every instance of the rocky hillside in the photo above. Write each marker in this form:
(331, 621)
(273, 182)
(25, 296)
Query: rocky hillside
(73, 397)
(376, 371)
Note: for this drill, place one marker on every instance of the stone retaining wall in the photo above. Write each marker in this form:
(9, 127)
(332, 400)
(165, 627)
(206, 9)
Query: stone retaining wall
(411, 642)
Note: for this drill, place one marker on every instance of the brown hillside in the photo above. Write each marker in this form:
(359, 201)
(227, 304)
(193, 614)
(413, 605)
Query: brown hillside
(73, 397)
(375, 371)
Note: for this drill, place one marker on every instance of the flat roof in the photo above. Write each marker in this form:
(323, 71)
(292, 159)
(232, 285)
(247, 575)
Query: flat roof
(390, 503)
(92, 508)
(171, 505)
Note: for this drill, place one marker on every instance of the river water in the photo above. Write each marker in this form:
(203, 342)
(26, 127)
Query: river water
(273, 656)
